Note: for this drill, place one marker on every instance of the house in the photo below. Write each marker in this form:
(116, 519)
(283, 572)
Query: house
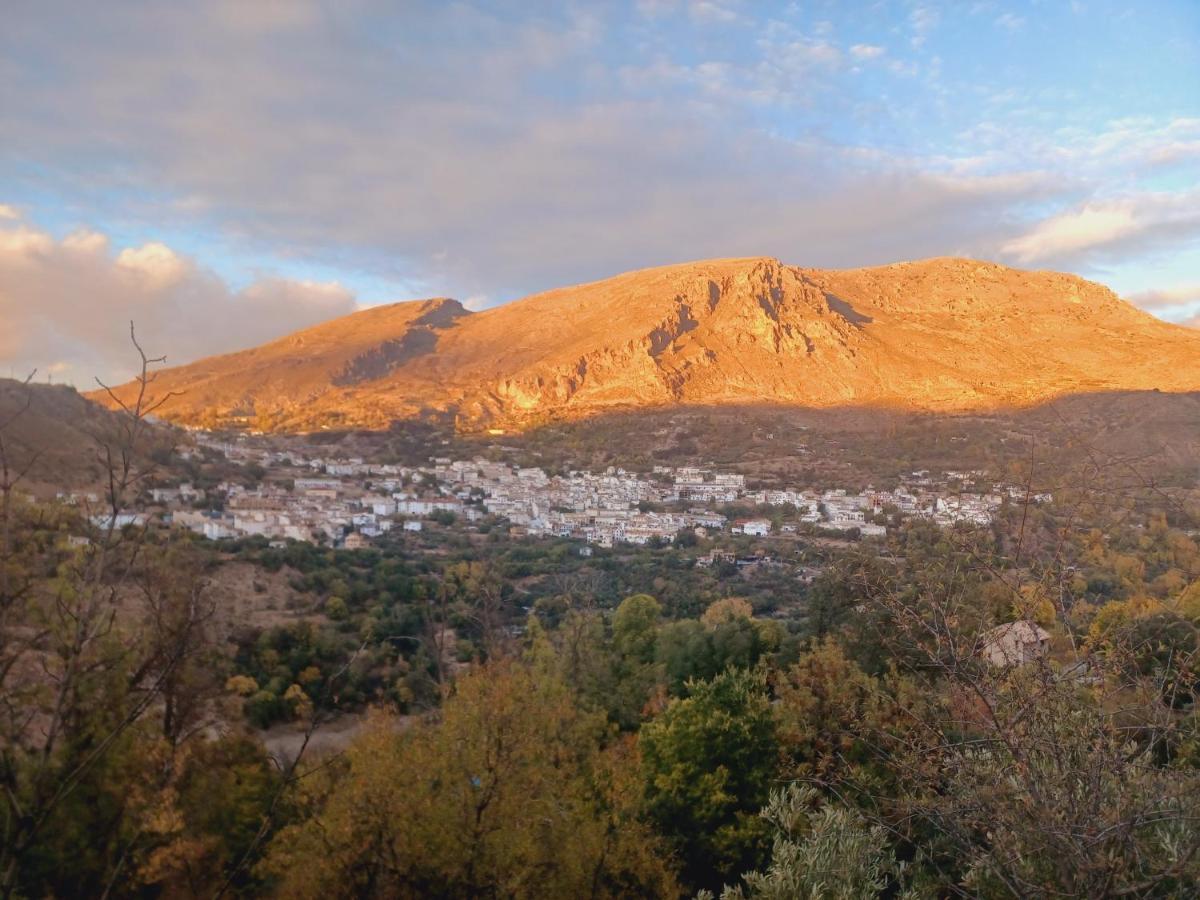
(753, 527)
(416, 507)
(355, 541)
(585, 551)
(322, 487)
(122, 520)
(216, 529)
(412, 525)
(1014, 643)
(379, 506)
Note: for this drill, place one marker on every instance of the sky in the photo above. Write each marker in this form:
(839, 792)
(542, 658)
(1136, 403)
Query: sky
(224, 172)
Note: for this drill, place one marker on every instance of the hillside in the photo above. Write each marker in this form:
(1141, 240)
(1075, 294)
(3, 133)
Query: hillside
(946, 335)
(52, 434)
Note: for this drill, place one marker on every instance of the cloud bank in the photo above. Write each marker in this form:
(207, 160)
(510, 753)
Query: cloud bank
(1122, 225)
(66, 305)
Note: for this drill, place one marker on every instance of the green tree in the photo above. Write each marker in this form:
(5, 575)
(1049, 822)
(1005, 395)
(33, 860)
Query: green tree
(818, 853)
(634, 626)
(707, 765)
(635, 673)
(691, 649)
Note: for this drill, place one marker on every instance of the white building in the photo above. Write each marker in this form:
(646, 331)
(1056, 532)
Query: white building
(753, 527)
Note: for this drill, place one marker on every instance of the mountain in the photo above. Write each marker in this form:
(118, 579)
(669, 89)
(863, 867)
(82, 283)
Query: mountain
(946, 335)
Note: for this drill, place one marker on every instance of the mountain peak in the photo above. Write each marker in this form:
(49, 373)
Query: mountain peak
(440, 312)
(938, 334)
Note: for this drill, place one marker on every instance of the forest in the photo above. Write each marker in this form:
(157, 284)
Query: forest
(537, 725)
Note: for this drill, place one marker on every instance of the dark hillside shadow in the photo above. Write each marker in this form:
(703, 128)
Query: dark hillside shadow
(846, 311)
(1161, 431)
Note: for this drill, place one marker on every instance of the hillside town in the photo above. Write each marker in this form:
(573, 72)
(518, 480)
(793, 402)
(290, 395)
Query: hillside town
(349, 502)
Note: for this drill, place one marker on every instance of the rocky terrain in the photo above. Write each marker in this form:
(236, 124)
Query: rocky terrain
(940, 335)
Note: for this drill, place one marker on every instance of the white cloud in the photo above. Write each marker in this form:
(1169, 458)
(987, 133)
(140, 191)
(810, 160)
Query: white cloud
(8, 212)
(652, 9)
(85, 241)
(711, 12)
(25, 244)
(1010, 21)
(1166, 298)
(1114, 226)
(1072, 232)
(1117, 150)
(66, 305)
(867, 51)
(923, 20)
(1174, 152)
(155, 266)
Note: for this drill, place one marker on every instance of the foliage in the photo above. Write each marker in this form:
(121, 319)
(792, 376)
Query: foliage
(690, 650)
(510, 794)
(818, 852)
(1068, 806)
(608, 726)
(111, 670)
(708, 760)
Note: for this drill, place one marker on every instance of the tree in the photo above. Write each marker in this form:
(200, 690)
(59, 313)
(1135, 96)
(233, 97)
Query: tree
(473, 592)
(1038, 780)
(707, 765)
(508, 795)
(1164, 647)
(635, 675)
(725, 611)
(818, 853)
(207, 818)
(1068, 803)
(691, 649)
(634, 625)
(1188, 602)
(94, 646)
(825, 706)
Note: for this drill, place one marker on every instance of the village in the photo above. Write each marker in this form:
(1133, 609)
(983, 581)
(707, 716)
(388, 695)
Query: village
(343, 502)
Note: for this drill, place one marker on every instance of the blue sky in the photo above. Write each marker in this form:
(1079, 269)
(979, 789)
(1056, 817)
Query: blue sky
(273, 163)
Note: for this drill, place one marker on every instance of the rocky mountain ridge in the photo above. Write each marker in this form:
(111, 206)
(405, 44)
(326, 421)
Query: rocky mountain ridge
(939, 335)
